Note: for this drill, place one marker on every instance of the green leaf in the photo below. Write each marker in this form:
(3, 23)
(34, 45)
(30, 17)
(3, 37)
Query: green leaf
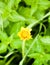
(16, 43)
(3, 36)
(34, 6)
(37, 47)
(11, 3)
(35, 55)
(31, 20)
(46, 40)
(2, 6)
(25, 11)
(1, 22)
(46, 43)
(37, 62)
(17, 2)
(5, 23)
(43, 59)
(28, 12)
(15, 17)
(29, 2)
(27, 45)
(6, 13)
(2, 62)
(3, 48)
(39, 14)
(16, 27)
(44, 4)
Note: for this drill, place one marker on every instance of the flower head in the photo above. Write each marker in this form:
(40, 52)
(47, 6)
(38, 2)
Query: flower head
(24, 33)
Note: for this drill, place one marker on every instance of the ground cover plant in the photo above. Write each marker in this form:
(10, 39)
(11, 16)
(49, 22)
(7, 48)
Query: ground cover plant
(24, 32)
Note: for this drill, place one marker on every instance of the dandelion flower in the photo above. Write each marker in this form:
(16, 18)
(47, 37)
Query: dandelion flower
(25, 34)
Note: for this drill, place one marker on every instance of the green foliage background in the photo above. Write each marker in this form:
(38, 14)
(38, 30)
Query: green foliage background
(15, 14)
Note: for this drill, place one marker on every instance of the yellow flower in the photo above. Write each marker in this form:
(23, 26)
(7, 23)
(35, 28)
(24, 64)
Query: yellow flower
(25, 33)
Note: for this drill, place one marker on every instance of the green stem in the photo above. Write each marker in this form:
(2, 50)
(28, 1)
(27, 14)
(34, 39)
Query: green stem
(23, 48)
(41, 28)
(8, 55)
(10, 60)
(34, 23)
(21, 62)
(44, 28)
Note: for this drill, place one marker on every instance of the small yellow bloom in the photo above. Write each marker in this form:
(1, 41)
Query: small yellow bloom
(24, 33)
